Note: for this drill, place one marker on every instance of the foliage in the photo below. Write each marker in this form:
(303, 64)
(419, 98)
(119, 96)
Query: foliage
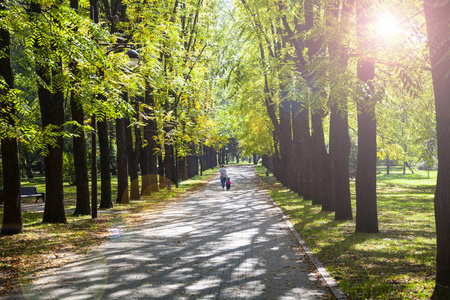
(178, 47)
(407, 128)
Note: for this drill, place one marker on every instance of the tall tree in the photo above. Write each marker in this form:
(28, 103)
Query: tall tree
(339, 137)
(113, 10)
(79, 144)
(320, 188)
(93, 14)
(149, 172)
(132, 161)
(122, 164)
(438, 25)
(366, 193)
(105, 166)
(51, 100)
(12, 212)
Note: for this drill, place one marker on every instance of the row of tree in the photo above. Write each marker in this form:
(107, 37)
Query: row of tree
(65, 76)
(285, 74)
(309, 75)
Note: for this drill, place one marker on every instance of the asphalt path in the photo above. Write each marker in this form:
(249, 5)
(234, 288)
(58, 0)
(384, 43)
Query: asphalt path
(211, 244)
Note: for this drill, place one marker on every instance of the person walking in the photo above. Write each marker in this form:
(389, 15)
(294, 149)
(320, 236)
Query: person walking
(223, 176)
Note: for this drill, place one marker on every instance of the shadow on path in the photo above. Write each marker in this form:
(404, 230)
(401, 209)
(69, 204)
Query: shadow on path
(212, 244)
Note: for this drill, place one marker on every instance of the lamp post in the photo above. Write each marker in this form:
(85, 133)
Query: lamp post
(133, 57)
(106, 200)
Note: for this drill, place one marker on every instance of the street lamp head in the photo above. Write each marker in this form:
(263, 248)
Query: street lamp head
(133, 57)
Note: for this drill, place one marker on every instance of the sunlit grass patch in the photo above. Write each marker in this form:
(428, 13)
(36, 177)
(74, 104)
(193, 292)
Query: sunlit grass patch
(398, 262)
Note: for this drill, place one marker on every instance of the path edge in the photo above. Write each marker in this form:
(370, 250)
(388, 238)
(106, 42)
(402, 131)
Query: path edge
(332, 284)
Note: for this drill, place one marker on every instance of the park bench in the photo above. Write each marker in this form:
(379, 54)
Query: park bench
(29, 191)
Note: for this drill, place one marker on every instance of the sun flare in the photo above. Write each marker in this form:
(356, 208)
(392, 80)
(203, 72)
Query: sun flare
(386, 25)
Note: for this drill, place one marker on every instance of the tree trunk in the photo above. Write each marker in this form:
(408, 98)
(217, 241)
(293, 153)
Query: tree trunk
(93, 14)
(161, 172)
(80, 159)
(132, 162)
(94, 183)
(122, 165)
(132, 157)
(12, 211)
(105, 167)
(151, 135)
(340, 160)
(52, 114)
(145, 169)
(138, 136)
(169, 166)
(437, 17)
(182, 168)
(322, 187)
(307, 161)
(388, 165)
(366, 184)
(148, 158)
(339, 142)
(192, 162)
(28, 168)
(298, 150)
(79, 145)
(286, 143)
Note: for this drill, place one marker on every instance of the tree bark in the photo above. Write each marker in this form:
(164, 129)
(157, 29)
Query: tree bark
(79, 144)
(151, 177)
(138, 135)
(145, 169)
(28, 168)
(366, 184)
(286, 143)
(298, 145)
(94, 183)
(192, 162)
(321, 162)
(122, 165)
(437, 17)
(105, 166)
(52, 114)
(80, 159)
(340, 159)
(388, 165)
(93, 14)
(146, 150)
(161, 172)
(132, 162)
(169, 166)
(12, 211)
(339, 137)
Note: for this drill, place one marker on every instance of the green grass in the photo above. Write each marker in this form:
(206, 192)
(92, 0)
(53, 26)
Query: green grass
(43, 246)
(398, 262)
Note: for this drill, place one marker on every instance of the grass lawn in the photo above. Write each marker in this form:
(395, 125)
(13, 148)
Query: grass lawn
(43, 246)
(398, 262)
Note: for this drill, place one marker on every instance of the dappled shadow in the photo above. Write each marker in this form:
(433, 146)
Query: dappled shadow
(396, 264)
(211, 244)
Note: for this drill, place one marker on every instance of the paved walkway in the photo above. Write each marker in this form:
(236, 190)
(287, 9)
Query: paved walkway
(212, 244)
